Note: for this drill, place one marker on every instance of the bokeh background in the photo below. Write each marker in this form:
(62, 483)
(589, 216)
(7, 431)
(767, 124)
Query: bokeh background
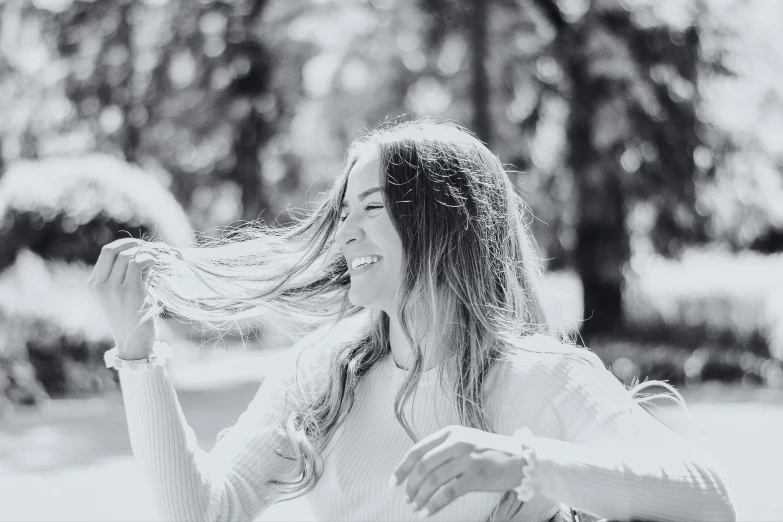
(644, 135)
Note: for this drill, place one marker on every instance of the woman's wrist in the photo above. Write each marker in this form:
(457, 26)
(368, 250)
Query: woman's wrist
(136, 358)
(523, 439)
(137, 349)
(157, 355)
(134, 355)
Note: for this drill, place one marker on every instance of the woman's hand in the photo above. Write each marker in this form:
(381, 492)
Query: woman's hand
(456, 460)
(117, 284)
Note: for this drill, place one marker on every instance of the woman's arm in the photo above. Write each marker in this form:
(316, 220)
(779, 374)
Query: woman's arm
(227, 483)
(600, 452)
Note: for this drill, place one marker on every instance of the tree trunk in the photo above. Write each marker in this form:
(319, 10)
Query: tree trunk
(247, 172)
(602, 249)
(602, 245)
(252, 132)
(477, 21)
(130, 136)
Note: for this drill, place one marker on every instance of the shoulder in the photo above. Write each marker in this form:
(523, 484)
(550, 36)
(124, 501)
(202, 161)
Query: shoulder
(309, 361)
(556, 359)
(318, 345)
(540, 373)
(558, 368)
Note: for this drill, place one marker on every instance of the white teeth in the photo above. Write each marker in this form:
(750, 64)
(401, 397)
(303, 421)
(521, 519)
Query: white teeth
(361, 261)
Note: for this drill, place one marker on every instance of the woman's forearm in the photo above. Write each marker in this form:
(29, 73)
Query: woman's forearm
(166, 447)
(628, 482)
(187, 483)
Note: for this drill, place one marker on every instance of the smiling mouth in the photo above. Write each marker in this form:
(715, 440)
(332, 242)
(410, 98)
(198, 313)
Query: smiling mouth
(364, 267)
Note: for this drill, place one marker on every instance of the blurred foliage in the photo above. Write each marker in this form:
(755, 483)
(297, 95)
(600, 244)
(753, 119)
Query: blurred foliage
(178, 87)
(634, 129)
(634, 360)
(687, 321)
(52, 337)
(604, 107)
(628, 87)
(55, 216)
(709, 297)
(65, 208)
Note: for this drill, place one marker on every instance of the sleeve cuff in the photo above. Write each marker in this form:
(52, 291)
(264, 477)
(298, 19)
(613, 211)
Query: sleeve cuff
(524, 438)
(161, 353)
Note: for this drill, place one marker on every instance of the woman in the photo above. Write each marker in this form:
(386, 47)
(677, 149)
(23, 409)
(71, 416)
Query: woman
(432, 364)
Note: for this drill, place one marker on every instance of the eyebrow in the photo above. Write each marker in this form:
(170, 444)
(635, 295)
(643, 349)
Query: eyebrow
(363, 195)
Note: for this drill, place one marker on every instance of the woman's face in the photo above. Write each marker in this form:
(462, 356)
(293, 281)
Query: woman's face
(365, 232)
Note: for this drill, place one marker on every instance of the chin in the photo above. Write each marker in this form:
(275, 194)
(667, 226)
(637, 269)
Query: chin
(361, 299)
(356, 298)
(364, 303)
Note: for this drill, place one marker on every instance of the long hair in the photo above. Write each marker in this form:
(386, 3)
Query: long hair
(469, 261)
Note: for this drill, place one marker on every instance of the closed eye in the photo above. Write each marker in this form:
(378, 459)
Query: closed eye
(367, 209)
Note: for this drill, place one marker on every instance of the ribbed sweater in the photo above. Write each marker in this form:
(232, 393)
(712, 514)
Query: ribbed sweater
(595, 449)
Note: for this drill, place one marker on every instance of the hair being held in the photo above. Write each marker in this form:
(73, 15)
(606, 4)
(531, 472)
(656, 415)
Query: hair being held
(469, 260)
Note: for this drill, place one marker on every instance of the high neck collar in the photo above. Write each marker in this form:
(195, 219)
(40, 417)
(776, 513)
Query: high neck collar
(398, 375)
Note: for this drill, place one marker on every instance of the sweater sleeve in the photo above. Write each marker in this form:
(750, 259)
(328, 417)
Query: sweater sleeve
(229, 482)
(598, 451)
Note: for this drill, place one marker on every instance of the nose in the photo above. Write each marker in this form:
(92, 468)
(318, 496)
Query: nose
(349, 231)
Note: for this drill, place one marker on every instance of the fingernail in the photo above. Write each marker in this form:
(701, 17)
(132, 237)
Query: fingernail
(423, 512)
(392, 481)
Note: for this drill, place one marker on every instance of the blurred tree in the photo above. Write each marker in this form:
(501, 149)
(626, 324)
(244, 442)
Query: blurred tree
(55, 216)
(188, 86)
(633, 130)
(470, 21)
(250, 87)
(477, 26)
(597, 102)
(32, 104)
(217, 59)
(95, 40)
(630, 83)
(67, 209)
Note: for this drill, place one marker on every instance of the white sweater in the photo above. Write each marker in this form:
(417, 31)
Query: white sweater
(595, 449)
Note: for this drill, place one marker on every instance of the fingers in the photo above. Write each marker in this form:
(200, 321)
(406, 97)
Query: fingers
(437, 480)
(446, 495)
(105, 265)
(415, 453)
(136, 268)
(120, 269)
(427, 467)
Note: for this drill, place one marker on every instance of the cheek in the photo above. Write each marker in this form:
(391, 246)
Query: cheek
(392, 246)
